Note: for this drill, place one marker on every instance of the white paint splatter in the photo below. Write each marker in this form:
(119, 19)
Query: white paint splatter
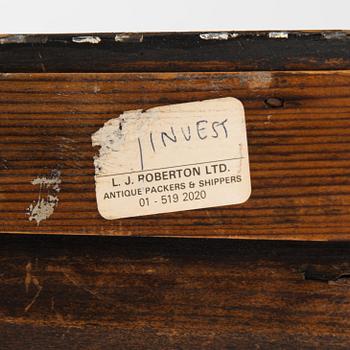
(218, 36)
(17, 39)
(86, 39)
(335, 35)
(44, 207)
(278, 35)
(23, 39)
(128, 37)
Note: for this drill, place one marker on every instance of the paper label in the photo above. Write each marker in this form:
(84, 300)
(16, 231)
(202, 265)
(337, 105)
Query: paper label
(172, 158)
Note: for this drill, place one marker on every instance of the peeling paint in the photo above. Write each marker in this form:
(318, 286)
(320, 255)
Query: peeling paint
(218, 36)
(335, 35)
(129, 37)
(44, 206)
(15, 39)
(278, 35)
(86, 39)
(111, 136)
(22, 39)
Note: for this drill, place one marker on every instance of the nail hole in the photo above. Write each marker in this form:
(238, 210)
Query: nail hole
(274, 102)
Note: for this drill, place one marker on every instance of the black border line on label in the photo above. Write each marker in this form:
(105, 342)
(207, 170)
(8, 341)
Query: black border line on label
(170, 167)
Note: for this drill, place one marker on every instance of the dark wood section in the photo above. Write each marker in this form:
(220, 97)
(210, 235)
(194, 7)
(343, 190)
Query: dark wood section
(133, 293)
(298, 135)
(90, 292)
(160, 52)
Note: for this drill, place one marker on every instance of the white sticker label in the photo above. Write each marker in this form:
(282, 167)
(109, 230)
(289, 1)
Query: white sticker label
(172, 158)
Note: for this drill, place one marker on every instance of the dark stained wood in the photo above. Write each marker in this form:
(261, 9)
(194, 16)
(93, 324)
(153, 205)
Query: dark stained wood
(160, 52)
(134, 293)
(298, 133)
(89, 292)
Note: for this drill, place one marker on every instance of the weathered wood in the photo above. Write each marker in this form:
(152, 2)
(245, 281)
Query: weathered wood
(159, 52)
(69, 292)
(129, 293)
(298, 135)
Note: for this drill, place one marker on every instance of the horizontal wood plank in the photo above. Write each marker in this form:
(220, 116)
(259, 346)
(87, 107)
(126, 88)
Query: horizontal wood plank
(125, 293)
(171, 52)
(298, 133)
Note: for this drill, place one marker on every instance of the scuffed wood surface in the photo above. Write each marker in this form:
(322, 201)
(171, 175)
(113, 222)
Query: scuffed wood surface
(298, 135)
(129, 293)
(175, 52)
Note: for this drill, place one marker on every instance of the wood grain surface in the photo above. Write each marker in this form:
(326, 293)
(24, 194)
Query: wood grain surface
(89, 292)
(298, 133)
(66, 292)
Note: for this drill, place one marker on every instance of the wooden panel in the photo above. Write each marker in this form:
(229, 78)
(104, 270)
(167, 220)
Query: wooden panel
(160, 52)
(298, 134)
(126, 293)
